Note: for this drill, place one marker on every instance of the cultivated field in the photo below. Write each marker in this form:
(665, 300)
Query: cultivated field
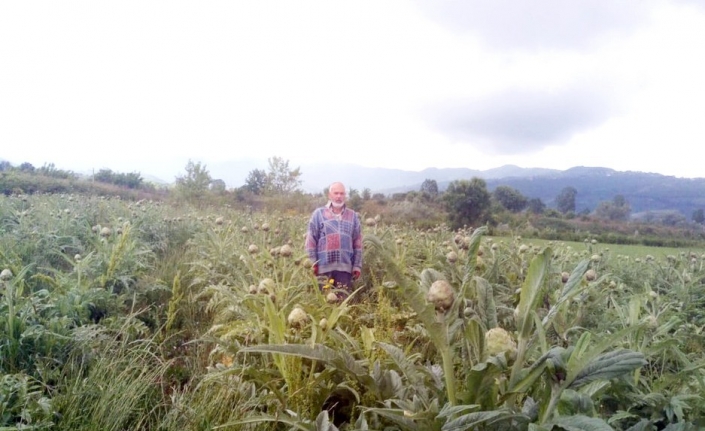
(119, 315)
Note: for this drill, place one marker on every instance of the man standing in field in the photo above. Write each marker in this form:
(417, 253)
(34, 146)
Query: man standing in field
(334, 240)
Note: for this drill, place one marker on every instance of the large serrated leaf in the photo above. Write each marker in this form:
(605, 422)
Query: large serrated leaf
(481, 382)
(642, 425)
(449, 411)
(473, 247)
(608, 366)
(261, 419)
(338, 359)
(397, 416)
(573, 402)
(429, 276)
(414, 375)
(323, 423)
(486, 307)
(531, 292)
(484, 419)
(570, 289)
(579, 423)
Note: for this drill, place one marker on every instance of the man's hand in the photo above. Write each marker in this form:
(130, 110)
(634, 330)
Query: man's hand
(315, 269)
(356, 274)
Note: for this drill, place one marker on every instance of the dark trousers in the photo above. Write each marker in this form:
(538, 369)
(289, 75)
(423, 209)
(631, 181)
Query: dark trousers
(342, 279)
(339, 281)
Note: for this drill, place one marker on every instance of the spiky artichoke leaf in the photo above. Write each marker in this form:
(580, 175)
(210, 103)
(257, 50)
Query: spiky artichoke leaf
(486, 307)
(449, 411)
(339, 359)
(429, 276)
(414, 374)
(608, 366)
(485, 420)
(323, 422)
(482, 382)
(642, 425)
(571, 288)
(473, 248)
(578, 423)
(531, 292)
(397, 416)
(294, 423)
(528, 376)
(573, 402)
(584, 354)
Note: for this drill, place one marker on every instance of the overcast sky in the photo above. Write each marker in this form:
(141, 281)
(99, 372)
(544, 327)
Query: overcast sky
(147, 85)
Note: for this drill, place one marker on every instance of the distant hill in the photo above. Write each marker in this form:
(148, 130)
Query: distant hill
(644, 191)
(318, 177)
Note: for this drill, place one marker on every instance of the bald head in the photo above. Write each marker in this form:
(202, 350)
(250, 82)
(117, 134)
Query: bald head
(336, 194)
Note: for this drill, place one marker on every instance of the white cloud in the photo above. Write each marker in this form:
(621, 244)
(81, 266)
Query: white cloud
(148, 85)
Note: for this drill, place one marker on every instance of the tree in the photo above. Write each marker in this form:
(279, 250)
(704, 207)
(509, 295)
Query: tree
(536, 206)
(467, 202)
(699, 216)
(510, 198)
(132, 180)
(217, 186)
(430, 186)
(354, 199)
(280, 178)
(565, 201)
(617, 209)
(194, 184)
(26, 167)
(256, 181)
(104, 176)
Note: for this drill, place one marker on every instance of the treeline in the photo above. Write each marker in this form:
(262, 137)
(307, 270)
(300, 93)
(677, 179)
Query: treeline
(463, 203)
(47, 170)
(132, 180)
(29, 179)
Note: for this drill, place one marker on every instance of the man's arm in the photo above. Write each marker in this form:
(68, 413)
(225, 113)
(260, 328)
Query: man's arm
(357, 245)
(312, 235)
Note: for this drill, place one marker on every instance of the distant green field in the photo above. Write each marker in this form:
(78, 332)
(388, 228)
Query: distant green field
(633, 251)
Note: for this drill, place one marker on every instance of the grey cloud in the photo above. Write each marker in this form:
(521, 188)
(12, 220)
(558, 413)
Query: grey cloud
(528, 25)
(520, 121)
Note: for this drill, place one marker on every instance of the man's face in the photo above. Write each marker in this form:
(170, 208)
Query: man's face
(336, 194)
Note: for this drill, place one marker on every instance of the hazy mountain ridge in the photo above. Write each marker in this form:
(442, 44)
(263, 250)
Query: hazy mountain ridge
(643, 190)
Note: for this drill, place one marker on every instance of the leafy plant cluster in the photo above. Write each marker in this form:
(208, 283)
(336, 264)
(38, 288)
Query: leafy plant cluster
(120, 314)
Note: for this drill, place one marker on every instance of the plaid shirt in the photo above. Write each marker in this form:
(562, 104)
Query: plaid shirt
(334, 241)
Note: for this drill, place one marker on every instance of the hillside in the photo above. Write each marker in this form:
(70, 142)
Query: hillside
(644, 191)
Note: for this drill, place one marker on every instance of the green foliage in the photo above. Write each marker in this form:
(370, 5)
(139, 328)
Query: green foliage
(131, 180)
(617, 209)
(536, 206)
(467, 202)
(430, 186)
(280, 178)
(256, 182)
(510, 198)
(565, 201)
(193, 185)
(170, 320)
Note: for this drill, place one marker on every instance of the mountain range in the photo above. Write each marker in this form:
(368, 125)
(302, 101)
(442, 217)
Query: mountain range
(645, 192)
